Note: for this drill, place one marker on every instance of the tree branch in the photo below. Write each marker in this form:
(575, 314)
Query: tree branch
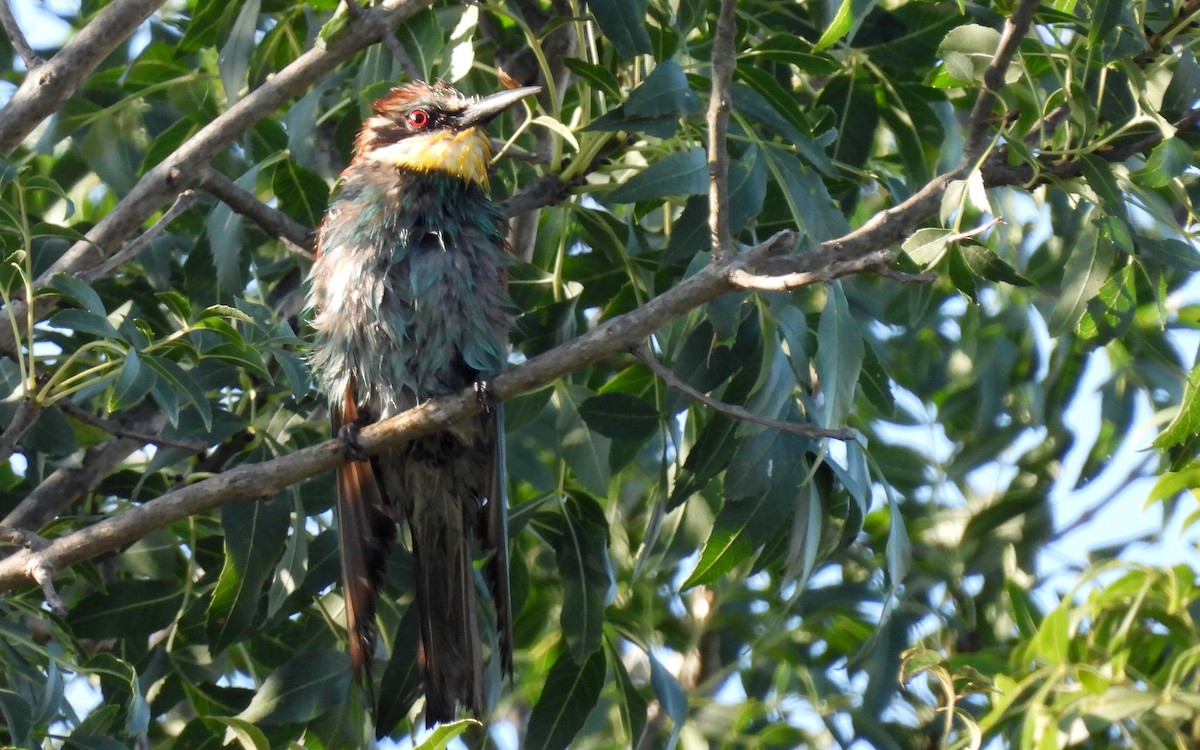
(119, 429)
(733, 411)
(297, 237)
(17, 37)
(182, 168)
(26, 414)
(134, 247)
(50, 85)
(718, 125)
(66, 484)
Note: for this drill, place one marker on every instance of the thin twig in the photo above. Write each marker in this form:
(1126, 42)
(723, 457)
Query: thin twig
(116, 429)
(26, 414)
(718, 124)
(17, 38)
(775, 281)
(43, 574)
(295, 236)
(134, 247)
(733, 411)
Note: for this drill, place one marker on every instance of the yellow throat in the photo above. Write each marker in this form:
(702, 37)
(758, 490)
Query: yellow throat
(466, 154)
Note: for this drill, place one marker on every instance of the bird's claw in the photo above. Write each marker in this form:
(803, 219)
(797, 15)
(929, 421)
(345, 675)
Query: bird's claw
(483, 394)
(351, 447)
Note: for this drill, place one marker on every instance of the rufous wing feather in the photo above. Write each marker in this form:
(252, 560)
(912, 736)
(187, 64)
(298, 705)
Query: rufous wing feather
(366, 530)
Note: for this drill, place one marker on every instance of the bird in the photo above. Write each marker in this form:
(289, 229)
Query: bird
(408, 293)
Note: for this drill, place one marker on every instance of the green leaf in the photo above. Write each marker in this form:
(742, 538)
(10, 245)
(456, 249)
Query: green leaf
(444, 734)
(248, 736)
(740, 530)
(670, 696)
(584, 451)
(598, 76)
(967, 51)
(1098, 174)
(307, 686)
(927, 246)
(747, 188)
(793, 50)
(632, 705)
(82, 321)
(624, 23)
(1111, 313)
(1167, 161)
(578, 532)
(423, 39)
(809, 201)
(234, 59)
(1170, 252)
(255, 535)
(401, 684)
(132, 385)
(681, 173)
(620, 416)
(985, 264)
(80, 292)
(665, 91)
(1186, 422)
(570, 692)
(1085, 272)
(839, 357)
(301, 193)
(126, 609)
(838, 27)
(183, 383)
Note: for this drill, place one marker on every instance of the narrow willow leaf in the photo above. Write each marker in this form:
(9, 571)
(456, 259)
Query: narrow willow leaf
(670, 695)
(1187, 421)
(839, 357)
(578, 533)
(624, 23)
(569, 695)
(620, 416)
(247, 735)
(630, 701)
(134, 382)
(300, 690)
(255, 536)
(80, 292)
(1086, 271)
(234, 58)
(585, 451)
(681, 173)
(441, 737)
(127, 608)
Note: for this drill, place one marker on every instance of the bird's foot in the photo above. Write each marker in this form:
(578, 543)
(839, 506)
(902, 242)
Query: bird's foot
(351, 446)
(483, 394)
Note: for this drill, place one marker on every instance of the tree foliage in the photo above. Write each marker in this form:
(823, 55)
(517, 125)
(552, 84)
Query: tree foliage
(806, 302)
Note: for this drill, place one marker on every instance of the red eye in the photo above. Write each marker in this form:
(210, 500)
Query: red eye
(418, 118)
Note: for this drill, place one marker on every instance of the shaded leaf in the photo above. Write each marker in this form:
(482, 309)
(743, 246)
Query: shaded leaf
(681, 173)
(624, 23)
(300, 690)
(570, 692)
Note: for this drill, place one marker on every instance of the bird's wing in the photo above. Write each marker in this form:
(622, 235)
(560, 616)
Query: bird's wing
(366, 530)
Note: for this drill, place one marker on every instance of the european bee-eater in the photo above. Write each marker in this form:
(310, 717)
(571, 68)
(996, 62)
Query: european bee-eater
(410, 300)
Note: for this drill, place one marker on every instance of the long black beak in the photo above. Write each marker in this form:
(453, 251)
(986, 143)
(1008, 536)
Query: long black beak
(483, 110)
